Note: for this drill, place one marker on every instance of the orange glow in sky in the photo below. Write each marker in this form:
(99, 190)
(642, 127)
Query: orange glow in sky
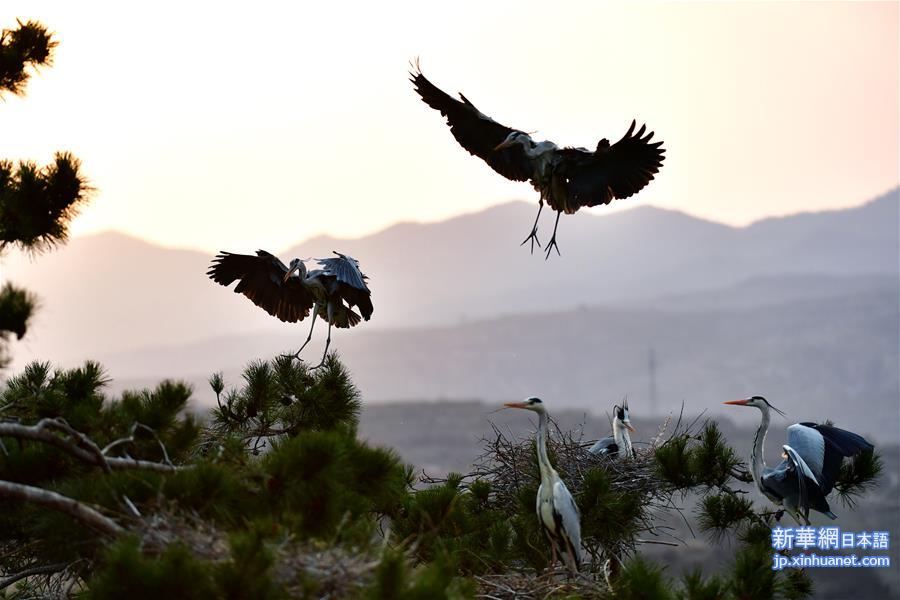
(213, 125)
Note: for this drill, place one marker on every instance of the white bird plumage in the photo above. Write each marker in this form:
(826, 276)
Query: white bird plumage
(556, 509)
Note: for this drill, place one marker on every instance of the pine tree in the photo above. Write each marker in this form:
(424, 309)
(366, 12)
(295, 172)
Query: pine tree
(36, 202)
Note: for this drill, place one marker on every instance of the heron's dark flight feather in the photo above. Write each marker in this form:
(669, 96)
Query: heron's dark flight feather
(475, 131)
(833, 445)
(611, 172)
(261, 279)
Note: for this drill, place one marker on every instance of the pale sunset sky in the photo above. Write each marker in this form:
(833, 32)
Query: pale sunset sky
(215, 125)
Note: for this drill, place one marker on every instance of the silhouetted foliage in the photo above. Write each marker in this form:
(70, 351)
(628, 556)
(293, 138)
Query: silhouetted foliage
(29, 45)
(36, 203)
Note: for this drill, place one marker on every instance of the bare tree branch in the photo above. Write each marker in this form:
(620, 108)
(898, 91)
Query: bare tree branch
(130, 440)
(75, 509)
(39, 570)
(82, 448)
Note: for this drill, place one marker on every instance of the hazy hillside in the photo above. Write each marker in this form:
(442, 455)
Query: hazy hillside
(809, 354)
(130, 294)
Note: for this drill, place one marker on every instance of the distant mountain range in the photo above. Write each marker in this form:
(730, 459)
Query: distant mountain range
(802, 308)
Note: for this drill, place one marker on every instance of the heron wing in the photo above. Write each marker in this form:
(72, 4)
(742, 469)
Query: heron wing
(568, 518)
(605, 446)
(812, 494)
(346, 269)
(343, 317)
(475, 131)
(348, 282)
(617, 172)
(808, 444)
(261, 279)
(824, 448)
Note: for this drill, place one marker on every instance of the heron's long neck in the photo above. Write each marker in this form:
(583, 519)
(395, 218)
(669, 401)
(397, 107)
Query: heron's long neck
(533, 149)
(543, 459)
(757, 457)
(623, 439)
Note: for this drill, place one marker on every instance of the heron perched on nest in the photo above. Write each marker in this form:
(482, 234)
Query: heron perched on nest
(556, 508)
(812, 461)
(290, 293)
(567, 178)
(619, 445)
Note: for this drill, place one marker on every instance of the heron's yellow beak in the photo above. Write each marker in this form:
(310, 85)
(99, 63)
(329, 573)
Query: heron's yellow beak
(502, 145)
(515, 405)
(737, 402)
(290, 272)
(629, 427)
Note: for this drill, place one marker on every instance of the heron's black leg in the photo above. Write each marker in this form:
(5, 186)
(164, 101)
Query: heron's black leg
(296, 355)
(533, 235)
(552, 243)
(327, 343)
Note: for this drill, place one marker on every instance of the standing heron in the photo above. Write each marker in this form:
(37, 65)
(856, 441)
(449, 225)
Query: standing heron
(556, 509)
(812, 462)
(619, 445)
(290, 293)
(566, 178)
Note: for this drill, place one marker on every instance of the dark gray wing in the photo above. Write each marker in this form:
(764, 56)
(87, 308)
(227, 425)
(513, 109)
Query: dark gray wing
(261, 279)
(824, 448)
(346, 269)
(475, 131)
(612, 172)
(605, 446)
(348, 282)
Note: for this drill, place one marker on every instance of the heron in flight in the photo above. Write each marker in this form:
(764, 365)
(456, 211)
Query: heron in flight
(291, 293)
(619, 445)
(566, 178)
(556, 509)
(812, 461)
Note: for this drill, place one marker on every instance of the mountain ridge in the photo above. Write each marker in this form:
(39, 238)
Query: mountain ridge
(132, 294)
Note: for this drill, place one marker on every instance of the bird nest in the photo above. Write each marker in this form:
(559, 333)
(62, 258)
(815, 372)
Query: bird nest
(508, 463)
(332, 571)
(515, 585)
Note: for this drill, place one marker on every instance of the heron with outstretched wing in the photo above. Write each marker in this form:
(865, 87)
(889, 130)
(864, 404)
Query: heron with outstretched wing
(292, 293)
(812, 461)
(566, 178)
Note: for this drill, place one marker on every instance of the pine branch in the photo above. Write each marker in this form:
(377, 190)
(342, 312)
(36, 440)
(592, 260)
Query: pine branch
(85, 450)
(39, 570)
(75, 509)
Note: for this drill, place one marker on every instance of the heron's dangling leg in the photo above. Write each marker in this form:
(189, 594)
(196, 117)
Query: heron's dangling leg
(327, 343)
(533, 235)
(552, 243)
(296, 355)
(329, 311)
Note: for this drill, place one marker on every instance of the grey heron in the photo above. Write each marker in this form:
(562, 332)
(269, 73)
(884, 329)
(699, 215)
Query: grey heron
(812, 462)
(566, 178)
(291, 293)
(556, 509)
(619, 445)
